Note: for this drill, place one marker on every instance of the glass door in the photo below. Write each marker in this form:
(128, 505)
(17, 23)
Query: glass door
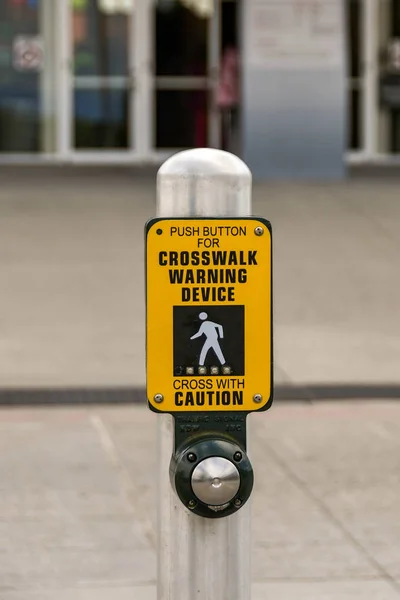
(27, 78)
(184, 58)
(355, 75)
(387, 101)
(102, 77)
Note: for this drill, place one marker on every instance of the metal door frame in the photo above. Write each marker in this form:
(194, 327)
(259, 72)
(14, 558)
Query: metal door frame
(137, 151)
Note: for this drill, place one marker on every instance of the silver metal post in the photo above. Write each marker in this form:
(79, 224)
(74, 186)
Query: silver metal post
(198, 558)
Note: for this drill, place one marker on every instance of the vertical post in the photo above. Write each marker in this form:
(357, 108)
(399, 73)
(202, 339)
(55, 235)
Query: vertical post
(63, 15)
(370, 52)
(198, 558)
(46, 31)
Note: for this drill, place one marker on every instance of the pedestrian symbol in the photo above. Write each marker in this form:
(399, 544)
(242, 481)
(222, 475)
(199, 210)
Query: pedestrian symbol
(211, 331)
(208, 340)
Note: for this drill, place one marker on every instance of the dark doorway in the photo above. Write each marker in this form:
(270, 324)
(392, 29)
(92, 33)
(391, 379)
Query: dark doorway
(229, 38)
(180, 70)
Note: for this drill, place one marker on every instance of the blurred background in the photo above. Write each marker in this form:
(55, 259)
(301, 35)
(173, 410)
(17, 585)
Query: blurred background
(94, 96)
(109, 80)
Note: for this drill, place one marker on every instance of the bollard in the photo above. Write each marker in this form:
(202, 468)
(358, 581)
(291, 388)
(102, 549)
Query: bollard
(204, 474)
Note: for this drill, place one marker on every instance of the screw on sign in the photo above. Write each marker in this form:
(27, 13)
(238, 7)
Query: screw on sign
(28, 53)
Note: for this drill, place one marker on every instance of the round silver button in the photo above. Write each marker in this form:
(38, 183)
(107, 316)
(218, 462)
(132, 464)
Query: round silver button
(215, 481)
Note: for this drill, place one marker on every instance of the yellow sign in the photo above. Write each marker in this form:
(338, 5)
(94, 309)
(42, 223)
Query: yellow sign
(209, 314)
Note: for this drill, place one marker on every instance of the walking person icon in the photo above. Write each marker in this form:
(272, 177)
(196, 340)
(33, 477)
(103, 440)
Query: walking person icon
(211, 331)
(208, 340)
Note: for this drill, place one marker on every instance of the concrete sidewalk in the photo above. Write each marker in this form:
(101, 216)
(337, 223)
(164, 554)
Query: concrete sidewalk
(77, 503)
(77, 485)
(72, 301)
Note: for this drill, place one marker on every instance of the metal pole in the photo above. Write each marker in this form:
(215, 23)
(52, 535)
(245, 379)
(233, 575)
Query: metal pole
(198, 558)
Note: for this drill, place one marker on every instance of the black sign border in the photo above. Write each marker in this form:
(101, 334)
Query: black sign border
(148, 226)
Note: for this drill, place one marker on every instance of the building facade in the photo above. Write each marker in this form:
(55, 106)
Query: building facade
(114, 81)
